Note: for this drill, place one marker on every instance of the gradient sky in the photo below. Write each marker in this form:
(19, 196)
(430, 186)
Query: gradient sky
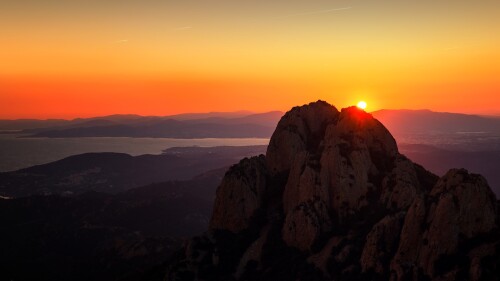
(66, 59)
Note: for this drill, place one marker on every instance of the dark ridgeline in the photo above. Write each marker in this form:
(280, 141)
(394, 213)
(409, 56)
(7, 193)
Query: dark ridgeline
(333, 199)
(117, 172)
(83, 232)
(99, 236)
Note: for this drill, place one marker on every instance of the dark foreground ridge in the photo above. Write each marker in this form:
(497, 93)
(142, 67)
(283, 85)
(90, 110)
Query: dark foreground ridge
(333, 199)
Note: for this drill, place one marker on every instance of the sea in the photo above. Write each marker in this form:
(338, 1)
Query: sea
(17, 152)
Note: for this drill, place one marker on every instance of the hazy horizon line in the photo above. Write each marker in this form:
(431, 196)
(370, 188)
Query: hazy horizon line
(242, 111)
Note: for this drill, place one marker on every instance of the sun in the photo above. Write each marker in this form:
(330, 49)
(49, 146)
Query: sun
(362, 105)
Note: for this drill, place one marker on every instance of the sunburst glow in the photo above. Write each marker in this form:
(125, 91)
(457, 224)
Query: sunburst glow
(362, 105)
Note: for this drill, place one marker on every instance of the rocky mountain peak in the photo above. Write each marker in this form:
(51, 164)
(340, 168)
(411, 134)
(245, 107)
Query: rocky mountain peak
(334, 199)
(302, 129)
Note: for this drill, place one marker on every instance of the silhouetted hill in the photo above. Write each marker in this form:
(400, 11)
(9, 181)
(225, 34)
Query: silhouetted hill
(116, 172)
(97, 236)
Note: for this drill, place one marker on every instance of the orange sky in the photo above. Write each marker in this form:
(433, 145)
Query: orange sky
(152, 57)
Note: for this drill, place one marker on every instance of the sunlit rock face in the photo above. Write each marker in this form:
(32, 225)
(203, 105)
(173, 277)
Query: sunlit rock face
(335, 174)
(333, 199)
(240, 195)
(301, 129)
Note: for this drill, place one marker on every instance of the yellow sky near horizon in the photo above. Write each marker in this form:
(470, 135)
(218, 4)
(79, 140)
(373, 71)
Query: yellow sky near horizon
(67, 59)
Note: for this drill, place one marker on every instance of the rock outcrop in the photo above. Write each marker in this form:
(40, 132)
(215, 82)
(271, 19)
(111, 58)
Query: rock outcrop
(334, 199)
(240, 195)
(381, 244)
(460, 207)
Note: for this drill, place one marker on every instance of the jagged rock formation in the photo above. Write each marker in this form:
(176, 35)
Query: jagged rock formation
(240, 195)
(333, 199)
(459, 207)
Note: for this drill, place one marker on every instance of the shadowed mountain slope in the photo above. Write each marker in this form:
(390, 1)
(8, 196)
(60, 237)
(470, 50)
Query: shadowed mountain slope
(116, 172)
(98, 236)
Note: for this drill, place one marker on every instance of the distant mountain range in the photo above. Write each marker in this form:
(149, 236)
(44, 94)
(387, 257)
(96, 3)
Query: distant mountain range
(428, 122)
(240, 124)
(23, 124)
(199, 125)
